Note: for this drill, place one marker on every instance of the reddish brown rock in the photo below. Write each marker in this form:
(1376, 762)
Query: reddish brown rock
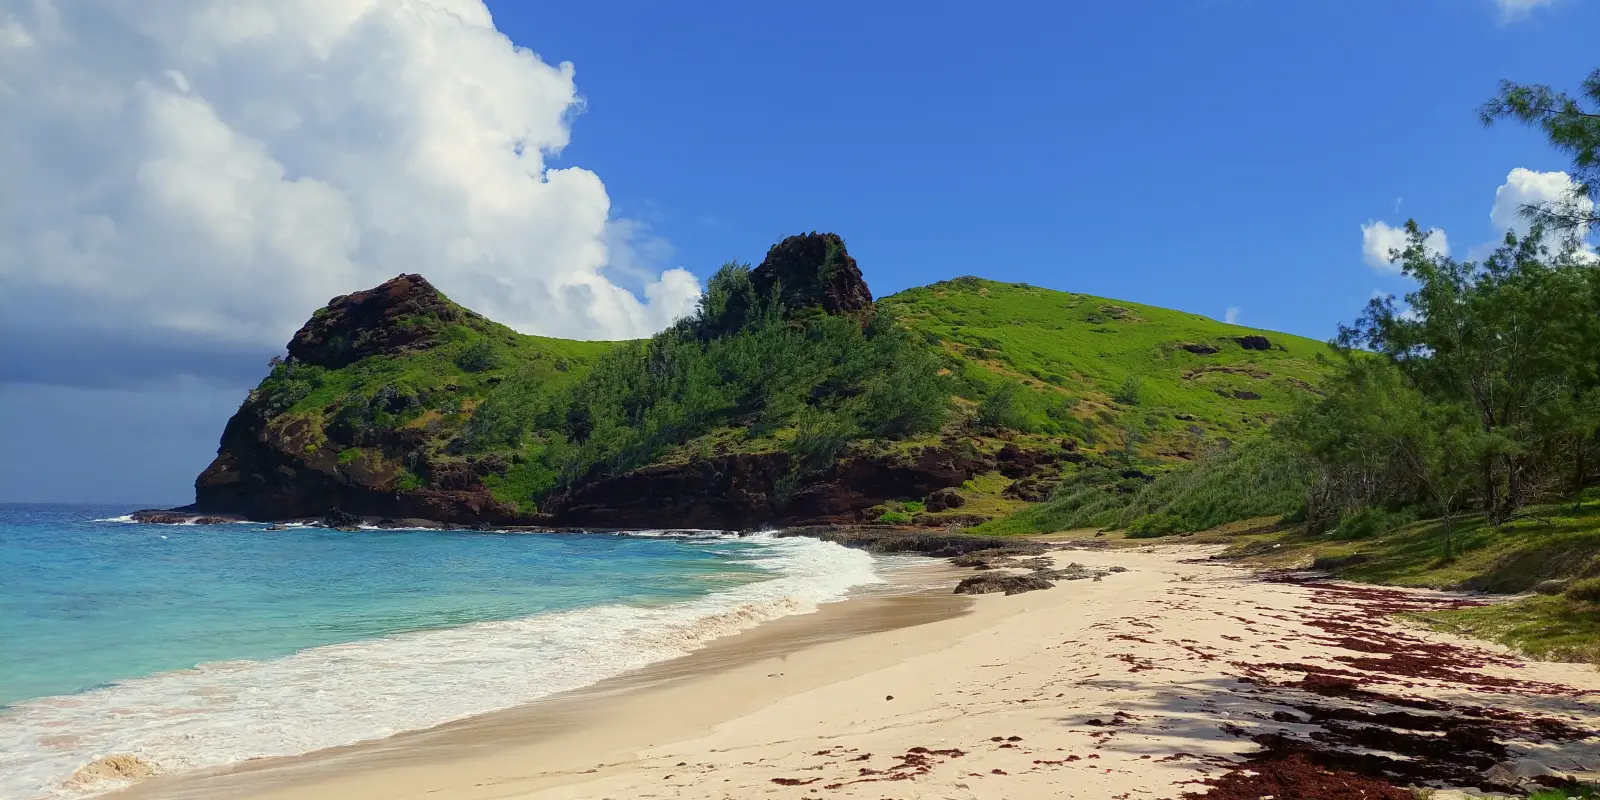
(813, 269)
(373, 322)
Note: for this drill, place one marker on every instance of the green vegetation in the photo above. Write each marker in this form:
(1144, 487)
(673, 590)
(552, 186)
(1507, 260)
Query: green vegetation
(1254, 479)
(1094, 370)
(748, 361)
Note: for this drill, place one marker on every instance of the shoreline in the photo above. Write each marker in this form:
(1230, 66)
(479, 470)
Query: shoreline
(917, 594)
(1177, 675)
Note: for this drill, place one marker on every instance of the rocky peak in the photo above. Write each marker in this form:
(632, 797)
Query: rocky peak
(387, 318)
(813, 269)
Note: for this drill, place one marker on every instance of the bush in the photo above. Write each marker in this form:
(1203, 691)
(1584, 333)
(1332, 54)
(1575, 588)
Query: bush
(1130, 391)
(1368, 523)
(1584, 591)
(478, 356)
(1002, 407)
(1151, 526)
(895, 517)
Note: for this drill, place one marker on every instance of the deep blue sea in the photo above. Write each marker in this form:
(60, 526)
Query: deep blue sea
(191, 646)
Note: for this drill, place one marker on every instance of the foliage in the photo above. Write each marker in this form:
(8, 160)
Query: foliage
(1130, 391)
(1479, 394)
(741, 359)
(1253, 479)
(478, 356)
(1584, 591)
(1571, 129)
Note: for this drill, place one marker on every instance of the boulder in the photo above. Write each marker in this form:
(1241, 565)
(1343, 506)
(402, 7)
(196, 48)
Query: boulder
(990, 583)
(1253, 342)
(1199, 349)
(341, 520)
(944, 500)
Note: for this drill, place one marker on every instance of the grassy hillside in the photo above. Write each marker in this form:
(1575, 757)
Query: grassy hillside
(410, 392)
(1178, 383)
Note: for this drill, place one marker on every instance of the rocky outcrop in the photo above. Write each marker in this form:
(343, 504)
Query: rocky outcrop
(400, 314)
(1199, 349)
(813, 270)
(742, 490)
(1253, 342)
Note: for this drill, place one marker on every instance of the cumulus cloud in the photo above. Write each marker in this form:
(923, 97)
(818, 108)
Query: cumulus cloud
(1513, 10)
(1379, 239)
(1231, 316)
(1524, 187)
(212, 172)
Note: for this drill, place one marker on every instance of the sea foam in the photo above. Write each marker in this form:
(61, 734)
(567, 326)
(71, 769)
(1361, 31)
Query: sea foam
(224, 712)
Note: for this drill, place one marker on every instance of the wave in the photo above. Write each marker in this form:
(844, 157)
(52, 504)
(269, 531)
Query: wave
(224, 712)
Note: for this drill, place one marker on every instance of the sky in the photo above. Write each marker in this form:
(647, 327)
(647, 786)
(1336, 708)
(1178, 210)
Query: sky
(187, 181)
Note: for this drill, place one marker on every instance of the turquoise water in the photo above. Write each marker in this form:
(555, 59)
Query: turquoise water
(192, 646)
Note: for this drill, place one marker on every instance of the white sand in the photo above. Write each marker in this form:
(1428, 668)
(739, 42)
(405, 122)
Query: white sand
(1012, 685)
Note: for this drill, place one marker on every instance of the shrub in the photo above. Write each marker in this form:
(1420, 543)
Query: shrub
(1584, 591)
(1130, 391)
(895, 517)
(478, 356)
(1151, 526)
(1368, 523)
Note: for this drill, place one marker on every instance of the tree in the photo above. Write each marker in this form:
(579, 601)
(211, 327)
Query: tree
(1509, 340)
(1571, 128)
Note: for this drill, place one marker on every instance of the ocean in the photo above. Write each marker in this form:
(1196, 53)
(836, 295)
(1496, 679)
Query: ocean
(195, 646)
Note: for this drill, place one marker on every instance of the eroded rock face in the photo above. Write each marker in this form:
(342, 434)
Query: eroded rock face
(1254, 342)
(813, 269)
(743, 490)
(373, 322)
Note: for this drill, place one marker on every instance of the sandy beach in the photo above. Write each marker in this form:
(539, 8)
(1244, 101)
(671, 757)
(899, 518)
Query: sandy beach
(1141, 685)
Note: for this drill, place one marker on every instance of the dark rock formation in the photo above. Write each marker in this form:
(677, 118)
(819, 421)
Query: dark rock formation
(1253, 342)
(340, 520)
(894, 540)
(1032, 490)
(368, 323)
(813, 270)
(1199, 349)
(944, 500)
(179, 516)
(989, 583)
(742, 490)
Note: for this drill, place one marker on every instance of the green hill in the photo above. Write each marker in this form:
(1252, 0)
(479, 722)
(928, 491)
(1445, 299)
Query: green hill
(790, 397)
(1179, 382)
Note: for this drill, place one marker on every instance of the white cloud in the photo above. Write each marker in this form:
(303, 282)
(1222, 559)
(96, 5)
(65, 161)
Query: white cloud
(1526, 187)
(1379, 239)
(216, 171)
(1232, 316)
(1513, 10)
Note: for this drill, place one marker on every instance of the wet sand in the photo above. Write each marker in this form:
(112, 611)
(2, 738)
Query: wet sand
(1139, 685)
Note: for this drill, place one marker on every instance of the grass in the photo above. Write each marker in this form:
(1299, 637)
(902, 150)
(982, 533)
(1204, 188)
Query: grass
(1245, 481)
(1087, 350)
(1585, 792)
(1111, 376)
(1560, 541)
(1548, 628)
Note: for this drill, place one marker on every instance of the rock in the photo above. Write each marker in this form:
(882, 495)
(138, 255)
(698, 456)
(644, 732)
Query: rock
(341, 520)
(1032, 490)
(941, 545)
(1009, 584)
(1553, 586)
(1239, 394)
(813, 270)
(1199, 349)
(1253, 342)
(944, 500)
(367, 323)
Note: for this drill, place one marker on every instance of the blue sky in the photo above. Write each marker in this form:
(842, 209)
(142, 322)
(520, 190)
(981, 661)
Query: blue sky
(1195, 154)
(198, 186)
